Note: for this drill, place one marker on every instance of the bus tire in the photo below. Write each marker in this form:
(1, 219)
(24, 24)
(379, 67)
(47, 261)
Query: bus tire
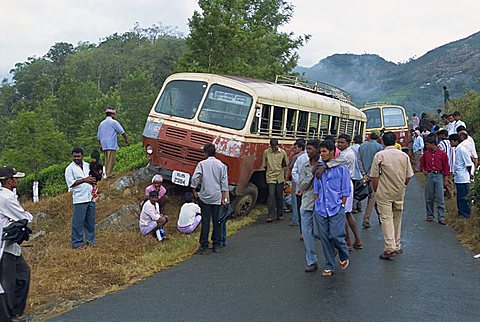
(244, 203)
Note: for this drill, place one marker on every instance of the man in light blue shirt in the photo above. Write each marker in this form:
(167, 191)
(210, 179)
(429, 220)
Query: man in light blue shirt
(84, 209)
(107, 138)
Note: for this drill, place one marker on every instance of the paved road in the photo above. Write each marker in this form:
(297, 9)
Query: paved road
(259, 277)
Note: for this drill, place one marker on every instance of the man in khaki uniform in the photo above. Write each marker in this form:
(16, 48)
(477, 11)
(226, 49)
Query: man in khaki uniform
(275, 163)
(391, 171)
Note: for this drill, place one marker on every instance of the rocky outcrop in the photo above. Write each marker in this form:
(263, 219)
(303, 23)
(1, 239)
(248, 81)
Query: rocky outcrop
(124, 219)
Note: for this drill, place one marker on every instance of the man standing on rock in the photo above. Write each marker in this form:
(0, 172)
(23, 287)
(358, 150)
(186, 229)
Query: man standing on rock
(391, 171)
(14, 271)
(275, 163)
(84, 209)
(211, 174)
(107, 138)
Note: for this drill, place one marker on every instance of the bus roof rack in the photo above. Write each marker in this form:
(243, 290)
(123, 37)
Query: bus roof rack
(314, 86)
(373, 104)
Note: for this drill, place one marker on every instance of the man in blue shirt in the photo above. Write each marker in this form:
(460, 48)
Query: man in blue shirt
(330, 193)
(107, 138)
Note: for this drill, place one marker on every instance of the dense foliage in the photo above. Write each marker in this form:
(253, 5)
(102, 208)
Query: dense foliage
(242, 38)
(56, 101)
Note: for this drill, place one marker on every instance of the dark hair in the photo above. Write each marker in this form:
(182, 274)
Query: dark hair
(374, 136)
(454, 137)
(346, 137)
(461, 128)
(444, 116)
(431, 138)
(110, 113)
(77, 150)
(389, 138)
(442, 133)
(300, 143)
(209, 149)
(456, 113)
(433, 122)
(315, 143)
(153, 193)
(329, 137)
(436, 128)
(188, 197)
(273, 142)
(328, 144)
(414, 114)
(358, 139)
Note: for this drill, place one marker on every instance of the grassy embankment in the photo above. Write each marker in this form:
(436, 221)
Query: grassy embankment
(63, 277)
(468, 230)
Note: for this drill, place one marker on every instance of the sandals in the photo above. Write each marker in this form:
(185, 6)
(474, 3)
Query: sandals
(357, 246)
(429, 218)
(344, 264)
(327, 272)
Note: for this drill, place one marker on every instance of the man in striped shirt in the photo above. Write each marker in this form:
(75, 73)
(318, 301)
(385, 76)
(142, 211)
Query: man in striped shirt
(444, 145)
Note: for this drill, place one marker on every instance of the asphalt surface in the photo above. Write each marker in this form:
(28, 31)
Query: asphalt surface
(259, 277)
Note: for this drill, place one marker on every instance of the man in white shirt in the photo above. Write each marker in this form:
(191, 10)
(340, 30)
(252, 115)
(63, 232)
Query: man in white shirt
(458, 122)
(84, 209)
(469, 144)
(14, 270)
(189, 216)
(463, 167)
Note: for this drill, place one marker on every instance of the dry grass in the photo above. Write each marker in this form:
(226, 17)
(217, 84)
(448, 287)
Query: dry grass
(63, 277)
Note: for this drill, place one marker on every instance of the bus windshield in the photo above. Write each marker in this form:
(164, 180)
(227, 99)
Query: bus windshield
(374, 119)
(181, 98)
(393, 117)
(226, 107)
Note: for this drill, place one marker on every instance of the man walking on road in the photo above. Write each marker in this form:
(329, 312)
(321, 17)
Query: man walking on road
(435, 167)
(298, 150)
(275, 163)
(305, 185)
(84, 209)
(211, 174)
(391, 171)
(366, 154)
(14, 270)
(330, 193)
(463, 168)
(107, 138)
(444, 145)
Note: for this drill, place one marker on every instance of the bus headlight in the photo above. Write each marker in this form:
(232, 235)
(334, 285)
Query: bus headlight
(149, 150)
(402, 140)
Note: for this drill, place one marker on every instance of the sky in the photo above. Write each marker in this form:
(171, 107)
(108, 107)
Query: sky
(394, 29)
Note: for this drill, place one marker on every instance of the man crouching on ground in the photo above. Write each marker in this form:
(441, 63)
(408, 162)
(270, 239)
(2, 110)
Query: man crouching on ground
(330, 193)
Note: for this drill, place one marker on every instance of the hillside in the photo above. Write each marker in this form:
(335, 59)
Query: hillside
(417, 84)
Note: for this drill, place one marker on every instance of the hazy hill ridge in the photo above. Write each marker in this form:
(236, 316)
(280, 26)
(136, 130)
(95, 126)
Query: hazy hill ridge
(416, 84)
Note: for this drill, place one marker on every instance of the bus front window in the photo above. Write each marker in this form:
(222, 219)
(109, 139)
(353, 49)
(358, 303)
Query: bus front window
(226, 107)
(374, 119)
(181, 98)
(393, 117)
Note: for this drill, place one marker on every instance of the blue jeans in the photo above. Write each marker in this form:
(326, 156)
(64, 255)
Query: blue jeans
(83, 223)
(332, 235)
(463, 204)
(434, 194)
(295, 212)
(308, 236)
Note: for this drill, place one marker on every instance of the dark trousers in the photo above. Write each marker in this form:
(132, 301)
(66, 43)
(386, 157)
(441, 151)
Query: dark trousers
(4, 317)
(15, 279)
(299, 204)
(463, 204)
(213, 212)
(275, 199)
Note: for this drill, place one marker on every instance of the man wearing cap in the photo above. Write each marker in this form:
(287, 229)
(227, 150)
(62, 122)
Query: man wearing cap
(84, 209)
(14, 271)
(157, 185)
(107, 138)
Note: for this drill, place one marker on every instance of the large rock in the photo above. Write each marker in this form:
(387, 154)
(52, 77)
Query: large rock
(124, 219)
(143, 174)
(123, 183)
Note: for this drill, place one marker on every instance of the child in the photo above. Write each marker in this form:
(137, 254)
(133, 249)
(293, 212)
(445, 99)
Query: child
(189, 217)
(96, 171)
(151, 220)
(287, 196)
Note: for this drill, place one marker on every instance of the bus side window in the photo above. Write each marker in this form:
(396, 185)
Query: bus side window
(291, 122)
(277, 121)
(325, 120)
(302, 124)
(256, 120)
(313, 126)
(334, 126)
(265, 120)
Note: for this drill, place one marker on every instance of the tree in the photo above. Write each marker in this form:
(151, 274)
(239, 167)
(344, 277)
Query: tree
(241, 37)
(34, 142)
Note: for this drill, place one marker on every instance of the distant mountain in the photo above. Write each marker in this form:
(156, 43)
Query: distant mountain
(417, 84)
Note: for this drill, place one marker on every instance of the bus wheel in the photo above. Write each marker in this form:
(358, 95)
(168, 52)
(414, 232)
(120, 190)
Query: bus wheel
(243, 204)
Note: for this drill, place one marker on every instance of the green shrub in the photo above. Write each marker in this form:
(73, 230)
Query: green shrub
(131, 158)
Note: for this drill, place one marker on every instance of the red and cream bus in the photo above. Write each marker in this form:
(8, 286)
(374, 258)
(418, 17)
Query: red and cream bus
(240, 116)
(387, 117)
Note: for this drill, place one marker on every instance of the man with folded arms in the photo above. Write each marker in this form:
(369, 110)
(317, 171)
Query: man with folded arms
(435, 167)
(391, 171)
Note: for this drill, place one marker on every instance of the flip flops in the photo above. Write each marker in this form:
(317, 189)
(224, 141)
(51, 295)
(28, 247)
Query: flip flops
(344, 264)
(327, 272)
